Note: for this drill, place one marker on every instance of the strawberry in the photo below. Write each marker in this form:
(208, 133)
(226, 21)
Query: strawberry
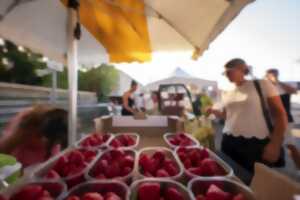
(73, 197)
(113, 170)
(239, 196)
(211, 168)
(115, 143)
(52, 174)
(149, 191)
(162, 173)
(125, 171)
(76, 157)
(215, 193)
(29, 192)
(92, 196)
(171, 168)
(159, 155)
(196, 170)
(112, 196)
(200, 197)
(127, 161)
(172, 193)
(187, 163)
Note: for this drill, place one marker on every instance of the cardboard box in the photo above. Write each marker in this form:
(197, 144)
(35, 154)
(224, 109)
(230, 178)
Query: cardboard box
(268, 184)
(151, 129)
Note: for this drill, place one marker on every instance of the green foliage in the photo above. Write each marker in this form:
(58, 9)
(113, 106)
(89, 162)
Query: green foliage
(101, 80)
(23, 65)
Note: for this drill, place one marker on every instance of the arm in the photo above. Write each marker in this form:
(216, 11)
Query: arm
(289, 89)
(217, 113)
(272, 149)
(125, 102)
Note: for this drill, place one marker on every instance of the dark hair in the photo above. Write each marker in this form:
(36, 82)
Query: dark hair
(273, 71)
(54, 126)
(133, 83)
(237, 62)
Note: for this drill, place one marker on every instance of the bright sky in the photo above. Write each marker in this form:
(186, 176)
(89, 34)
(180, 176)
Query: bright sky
(266, 34)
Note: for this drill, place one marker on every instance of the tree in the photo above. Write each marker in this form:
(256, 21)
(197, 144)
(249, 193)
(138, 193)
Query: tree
(101, 80)
(19, 66)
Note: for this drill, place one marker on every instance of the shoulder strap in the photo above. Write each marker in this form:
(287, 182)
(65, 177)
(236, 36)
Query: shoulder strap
(263, 106)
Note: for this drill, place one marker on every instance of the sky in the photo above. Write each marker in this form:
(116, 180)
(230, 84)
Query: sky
(266, 34)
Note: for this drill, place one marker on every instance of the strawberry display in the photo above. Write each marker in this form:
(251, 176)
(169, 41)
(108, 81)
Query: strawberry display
(180, 139)
(198, 162)
(96, 196)
(94, 140)
(154, 191)
(157, 165)
(71, 164)
(113, 163)
(216, 193)
(124, 140)
(32, 192)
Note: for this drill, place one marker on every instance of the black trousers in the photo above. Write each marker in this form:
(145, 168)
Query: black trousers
(247, 151)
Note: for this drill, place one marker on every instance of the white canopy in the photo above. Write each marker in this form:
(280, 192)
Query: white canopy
(179, 76)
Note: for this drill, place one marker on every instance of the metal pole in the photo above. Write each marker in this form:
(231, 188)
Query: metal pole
(72, 56)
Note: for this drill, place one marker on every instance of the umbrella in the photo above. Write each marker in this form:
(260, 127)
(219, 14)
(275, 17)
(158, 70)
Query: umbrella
(113, 30)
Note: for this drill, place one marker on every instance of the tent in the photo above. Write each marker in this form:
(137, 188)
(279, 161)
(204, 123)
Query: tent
(113, 31)
(179, 76)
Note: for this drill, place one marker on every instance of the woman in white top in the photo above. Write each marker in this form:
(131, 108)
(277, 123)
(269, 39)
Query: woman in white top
(246, 137)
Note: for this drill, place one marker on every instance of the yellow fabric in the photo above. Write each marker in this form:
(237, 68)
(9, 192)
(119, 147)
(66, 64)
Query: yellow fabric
(120, 27)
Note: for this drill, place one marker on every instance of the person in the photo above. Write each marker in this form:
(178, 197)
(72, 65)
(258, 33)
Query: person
(285, 91)
(35, 134)
(128, 101)
(140, 102)
(246, 137)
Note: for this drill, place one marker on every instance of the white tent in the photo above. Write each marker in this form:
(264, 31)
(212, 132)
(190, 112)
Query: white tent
(47, 27)
(179, 76)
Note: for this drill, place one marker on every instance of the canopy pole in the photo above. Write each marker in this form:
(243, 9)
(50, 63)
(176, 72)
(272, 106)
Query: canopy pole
(72, 63)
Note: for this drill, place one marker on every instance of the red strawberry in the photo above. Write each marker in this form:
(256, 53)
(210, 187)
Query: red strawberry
(29, 192)
(130, 141)
(45, 198)
(117, 154)
(100, 176)
(187, 163)
(127, 161)
(60, 163)
(211, 168)
(113, 170)
(88, 155)
(92, 196)
(182, 156)
(73, 197)
(126, 171)
(159, 155)
(76, 157)
(239, 196)
(172, 193)
(200, 197)
(149, 191)
(52, 174)
(196, 170)
(112, 196)
(162, 173)
(116, 143)
(204, 154)
(215, 193)
(171, 168)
